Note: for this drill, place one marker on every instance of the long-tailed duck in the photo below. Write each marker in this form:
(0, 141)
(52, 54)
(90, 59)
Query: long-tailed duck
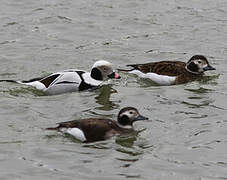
(172, 72)
(72, 80)
(96, 129)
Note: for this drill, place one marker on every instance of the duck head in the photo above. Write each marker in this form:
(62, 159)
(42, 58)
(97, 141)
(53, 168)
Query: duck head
(127, 116)
(102, 70)
(198, 64)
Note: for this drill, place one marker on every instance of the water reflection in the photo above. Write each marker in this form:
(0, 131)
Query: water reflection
(98, 145)
(198, 105)
(129, 139)
(104, 98)
(25, 91)
(209, 79)
(198, 99)
(126, 141)
(200, 90)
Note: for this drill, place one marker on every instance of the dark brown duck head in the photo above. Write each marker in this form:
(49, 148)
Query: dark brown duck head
(198, 64)
(127, 116)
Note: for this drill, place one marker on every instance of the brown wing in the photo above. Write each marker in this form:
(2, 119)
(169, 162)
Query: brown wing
(94, 129)
(48, 80)
(170, 68)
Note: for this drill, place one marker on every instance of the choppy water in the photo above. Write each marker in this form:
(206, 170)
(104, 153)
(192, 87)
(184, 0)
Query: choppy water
(187, 138)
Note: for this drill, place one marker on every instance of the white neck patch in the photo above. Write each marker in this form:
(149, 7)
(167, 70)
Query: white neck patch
(89, 80)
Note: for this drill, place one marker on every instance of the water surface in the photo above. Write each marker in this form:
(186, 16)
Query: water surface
(187, 138)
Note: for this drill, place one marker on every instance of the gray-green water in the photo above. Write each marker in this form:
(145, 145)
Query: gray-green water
(187, 138)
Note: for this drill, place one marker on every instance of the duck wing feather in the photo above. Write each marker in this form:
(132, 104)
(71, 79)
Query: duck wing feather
(169, 68)
(94, 129)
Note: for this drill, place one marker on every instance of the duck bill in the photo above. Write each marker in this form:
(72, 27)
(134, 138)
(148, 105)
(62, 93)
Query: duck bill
(140, 118)
(208, 68)
(114, 75)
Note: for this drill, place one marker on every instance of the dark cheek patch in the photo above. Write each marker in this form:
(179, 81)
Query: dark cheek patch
(96, 74)
(193, 67)
(124, 120)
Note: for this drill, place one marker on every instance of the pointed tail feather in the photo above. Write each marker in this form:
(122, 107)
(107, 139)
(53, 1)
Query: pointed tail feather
(133, 66)
(125, 70)
(14, 81)
(53, 128)
(32, 80)
(8, 80)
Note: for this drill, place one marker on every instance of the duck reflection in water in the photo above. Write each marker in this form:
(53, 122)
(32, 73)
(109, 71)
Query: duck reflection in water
(103, 98)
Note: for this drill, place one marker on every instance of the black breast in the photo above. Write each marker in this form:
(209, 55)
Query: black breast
(83, 85)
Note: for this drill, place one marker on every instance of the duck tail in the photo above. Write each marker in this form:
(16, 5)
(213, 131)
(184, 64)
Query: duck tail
(21, 82)
(8, 80)
(53, 128)
(125, 70)
(133, 67)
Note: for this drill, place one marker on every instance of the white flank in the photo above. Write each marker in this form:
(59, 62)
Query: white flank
(159, 79)
(66, 76)
(38, 85)
(77, 133)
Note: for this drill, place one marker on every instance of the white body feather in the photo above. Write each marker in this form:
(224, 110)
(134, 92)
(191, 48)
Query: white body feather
(159, 79)
(75, 132)
(38, 85)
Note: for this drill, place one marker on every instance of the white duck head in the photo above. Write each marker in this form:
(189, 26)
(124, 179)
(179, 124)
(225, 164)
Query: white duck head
(102, 70)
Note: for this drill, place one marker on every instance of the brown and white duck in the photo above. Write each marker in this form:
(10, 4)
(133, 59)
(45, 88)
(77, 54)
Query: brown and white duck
(172, 72)
(73, 79)
(96, 129)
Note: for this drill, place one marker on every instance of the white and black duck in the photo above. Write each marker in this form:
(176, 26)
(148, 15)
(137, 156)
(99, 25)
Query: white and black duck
(72, 80)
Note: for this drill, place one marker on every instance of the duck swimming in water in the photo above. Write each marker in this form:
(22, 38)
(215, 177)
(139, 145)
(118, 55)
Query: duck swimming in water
(172, 72)
(96, 129)
(72, 80)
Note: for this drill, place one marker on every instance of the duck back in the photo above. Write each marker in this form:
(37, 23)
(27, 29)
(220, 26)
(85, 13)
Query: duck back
(169, 68)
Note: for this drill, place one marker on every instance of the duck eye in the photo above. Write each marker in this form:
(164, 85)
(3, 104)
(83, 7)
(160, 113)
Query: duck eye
(130, 112)
(199, 62)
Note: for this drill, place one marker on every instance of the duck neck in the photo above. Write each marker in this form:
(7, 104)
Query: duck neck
(124, 126)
